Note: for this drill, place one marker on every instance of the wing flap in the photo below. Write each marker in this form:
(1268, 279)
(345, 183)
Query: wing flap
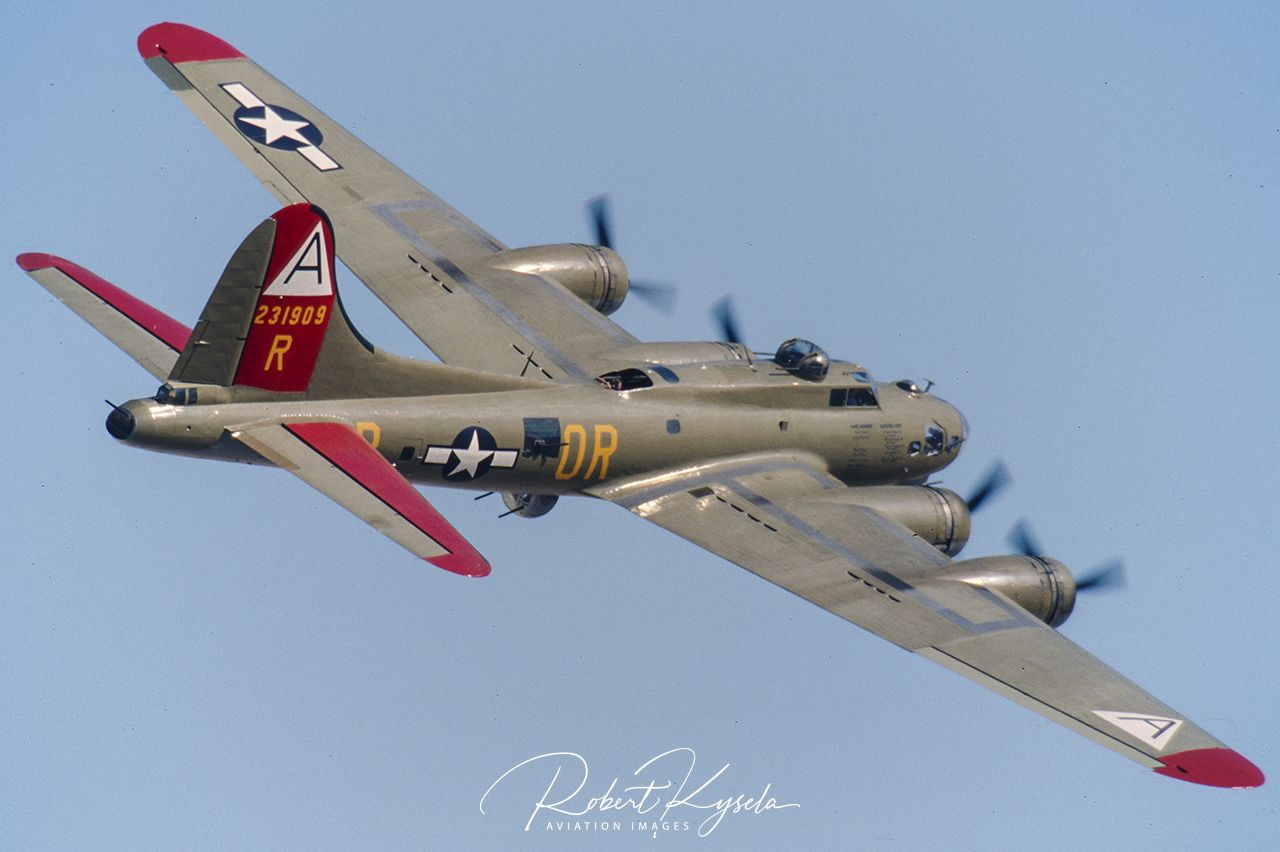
(332, 458)
(150, 337)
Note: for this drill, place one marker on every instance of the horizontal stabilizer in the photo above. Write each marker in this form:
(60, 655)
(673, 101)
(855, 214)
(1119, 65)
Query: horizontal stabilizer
(150, 337)
(333, 458)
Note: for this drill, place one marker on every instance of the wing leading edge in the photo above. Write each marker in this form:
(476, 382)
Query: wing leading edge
(426, 261)
(774, 516)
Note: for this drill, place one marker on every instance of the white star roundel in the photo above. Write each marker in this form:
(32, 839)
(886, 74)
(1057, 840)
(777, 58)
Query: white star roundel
(472, 453)
(278, 127)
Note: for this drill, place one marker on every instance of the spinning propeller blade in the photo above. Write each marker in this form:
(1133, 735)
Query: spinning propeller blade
(727, 320)
(994, 482)
(1109, 575)
(657, 293)
(598, 213)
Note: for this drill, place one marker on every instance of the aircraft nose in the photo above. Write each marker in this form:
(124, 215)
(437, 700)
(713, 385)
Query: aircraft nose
(121, 422)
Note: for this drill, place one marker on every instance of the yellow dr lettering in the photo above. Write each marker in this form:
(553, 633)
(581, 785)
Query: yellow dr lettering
(574, 439)
(603, 442)
(602, 450)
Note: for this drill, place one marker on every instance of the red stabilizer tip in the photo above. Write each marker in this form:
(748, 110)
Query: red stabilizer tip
(181, 43)
(165, 328)
(1214, 767)
(351, 454)
(466, 564)
(33, 260)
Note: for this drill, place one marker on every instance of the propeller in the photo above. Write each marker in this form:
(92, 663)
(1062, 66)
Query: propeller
(1108, 575)
(727, 320)
(657, 293)
(598, 212)
(993, 483)
(1023, 540)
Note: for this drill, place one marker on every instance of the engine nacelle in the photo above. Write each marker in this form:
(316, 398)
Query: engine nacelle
(937, 515)
(528, 505)
(594, 274)
(1042, 586)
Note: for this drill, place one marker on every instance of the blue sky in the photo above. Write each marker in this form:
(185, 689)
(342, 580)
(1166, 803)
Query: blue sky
(1067, 219)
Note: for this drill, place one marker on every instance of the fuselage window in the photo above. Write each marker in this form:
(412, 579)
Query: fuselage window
(541, 438)
(181, 396)
(666, 374)
(625, 380)
(933, 438)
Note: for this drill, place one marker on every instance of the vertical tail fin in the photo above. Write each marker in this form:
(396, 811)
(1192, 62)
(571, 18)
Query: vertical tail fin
(275, 323)
(272, 310)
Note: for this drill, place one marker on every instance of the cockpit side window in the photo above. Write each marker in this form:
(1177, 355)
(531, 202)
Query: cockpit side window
(862, 396)
(853, 397)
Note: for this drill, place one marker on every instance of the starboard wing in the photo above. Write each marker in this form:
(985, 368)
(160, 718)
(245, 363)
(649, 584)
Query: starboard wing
(332, 458)
(423, 258)
(774, 516)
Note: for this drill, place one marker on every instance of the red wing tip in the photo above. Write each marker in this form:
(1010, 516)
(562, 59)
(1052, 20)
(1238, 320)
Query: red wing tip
(33, 260)
(181, 43)
(466, 564)
(1213, 767)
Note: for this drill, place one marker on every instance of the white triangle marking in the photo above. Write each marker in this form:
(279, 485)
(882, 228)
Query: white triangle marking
(307, 272)
(1153, 730)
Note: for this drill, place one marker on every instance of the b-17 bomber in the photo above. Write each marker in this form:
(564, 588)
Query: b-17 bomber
(799, 467)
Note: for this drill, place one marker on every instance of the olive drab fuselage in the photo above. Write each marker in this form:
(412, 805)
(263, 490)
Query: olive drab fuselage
(633, 420)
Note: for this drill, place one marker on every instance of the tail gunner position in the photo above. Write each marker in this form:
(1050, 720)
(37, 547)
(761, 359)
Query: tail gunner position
(800, 469)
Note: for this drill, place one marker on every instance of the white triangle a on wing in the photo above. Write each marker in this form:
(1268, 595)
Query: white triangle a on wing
(1155, 731)
(307, 272)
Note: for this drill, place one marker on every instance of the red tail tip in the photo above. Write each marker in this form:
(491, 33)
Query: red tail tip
(33, 260)
(181, 43)
(1214, 767)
